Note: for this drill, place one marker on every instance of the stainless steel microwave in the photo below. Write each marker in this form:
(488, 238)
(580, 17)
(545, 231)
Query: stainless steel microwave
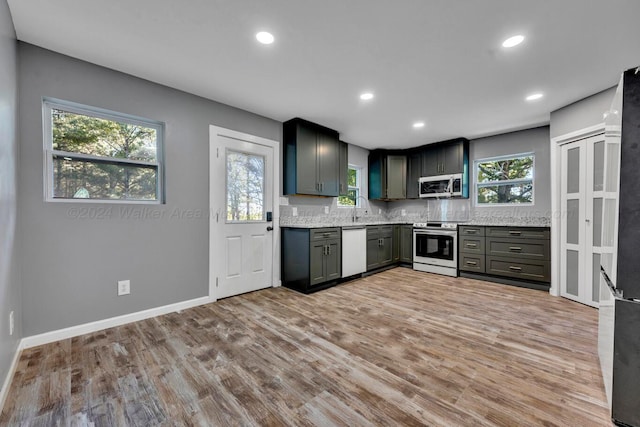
(441, 186)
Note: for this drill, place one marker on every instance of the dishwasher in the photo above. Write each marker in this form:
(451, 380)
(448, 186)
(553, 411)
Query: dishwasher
(354, 250)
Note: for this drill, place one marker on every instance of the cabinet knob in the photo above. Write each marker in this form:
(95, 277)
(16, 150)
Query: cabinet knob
(269, 228)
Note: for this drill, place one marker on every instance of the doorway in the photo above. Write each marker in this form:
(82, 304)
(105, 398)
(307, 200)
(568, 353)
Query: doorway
(243, 221)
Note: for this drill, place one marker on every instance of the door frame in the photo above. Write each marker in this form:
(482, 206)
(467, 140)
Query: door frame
(217, 210)
(556, 144)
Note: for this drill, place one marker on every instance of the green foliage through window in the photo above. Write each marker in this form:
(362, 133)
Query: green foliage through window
(353, 192)
(93, 157)
(245, 187)
(505, 180)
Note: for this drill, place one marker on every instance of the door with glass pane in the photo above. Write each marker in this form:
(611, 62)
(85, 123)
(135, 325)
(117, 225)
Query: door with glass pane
(241, 177)
(582, 195)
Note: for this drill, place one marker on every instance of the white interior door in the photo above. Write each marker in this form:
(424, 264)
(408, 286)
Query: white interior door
(241, 239)
(582, 196)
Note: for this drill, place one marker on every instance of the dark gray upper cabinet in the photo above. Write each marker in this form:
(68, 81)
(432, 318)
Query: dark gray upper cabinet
(414, 172)
(387, 175)
(344, 169)
(445, 158)
(311, 159)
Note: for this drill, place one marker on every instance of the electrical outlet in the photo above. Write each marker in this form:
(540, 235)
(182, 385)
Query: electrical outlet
(11, 324)
(124, 287)
(379, 211)
(403, 212)
(294, 211)
(326, 209)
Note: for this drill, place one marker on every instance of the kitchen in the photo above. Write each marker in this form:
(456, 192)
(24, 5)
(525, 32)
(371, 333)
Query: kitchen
(62, 269)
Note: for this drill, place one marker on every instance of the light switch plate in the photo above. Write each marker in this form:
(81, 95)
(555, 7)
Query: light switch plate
(294, 211)
(124, 287)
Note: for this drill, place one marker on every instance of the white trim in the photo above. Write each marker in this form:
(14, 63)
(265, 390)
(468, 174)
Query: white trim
(74, 331)
(4, 392)
(555, 158)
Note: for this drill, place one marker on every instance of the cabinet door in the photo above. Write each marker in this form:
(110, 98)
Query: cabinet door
(396, 243)
(333, 260)
(431, 162)
(385, 252)
(306, 161)
(373, 247)
(344, 169)
(414, 172)
(375, 176)
(316, 262)
(406, 244)
(328, 164)
(396, 177)
(452, 158)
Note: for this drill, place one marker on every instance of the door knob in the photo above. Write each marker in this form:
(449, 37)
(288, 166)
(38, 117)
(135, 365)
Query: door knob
(269, 228)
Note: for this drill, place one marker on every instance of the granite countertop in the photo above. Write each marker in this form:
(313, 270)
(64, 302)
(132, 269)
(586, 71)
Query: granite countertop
(358, 224)
(497, 222)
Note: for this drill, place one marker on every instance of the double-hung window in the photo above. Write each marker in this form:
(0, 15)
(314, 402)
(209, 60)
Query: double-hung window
(505, 180)
(98, 155)
(353, 189)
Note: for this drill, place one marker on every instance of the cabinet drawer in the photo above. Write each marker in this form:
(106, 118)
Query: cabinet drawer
(518, 232)
(386, 230)
(518, 248)
(325, 233)
(468, 230)
(519, 268)
(373, 232)
(472, 244)
(473, 263)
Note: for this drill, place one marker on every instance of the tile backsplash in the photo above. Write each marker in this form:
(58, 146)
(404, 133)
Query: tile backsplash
(304, 210)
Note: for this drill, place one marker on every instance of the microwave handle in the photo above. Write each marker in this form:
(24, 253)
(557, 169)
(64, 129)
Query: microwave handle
(450, 186)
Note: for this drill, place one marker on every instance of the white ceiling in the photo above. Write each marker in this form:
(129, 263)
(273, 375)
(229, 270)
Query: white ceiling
(439, 61)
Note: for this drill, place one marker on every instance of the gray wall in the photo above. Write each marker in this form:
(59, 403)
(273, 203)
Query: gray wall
(73, 261)
(581, 114)
(9, 267)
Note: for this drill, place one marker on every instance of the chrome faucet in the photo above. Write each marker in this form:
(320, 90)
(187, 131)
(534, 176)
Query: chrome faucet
(355, 207)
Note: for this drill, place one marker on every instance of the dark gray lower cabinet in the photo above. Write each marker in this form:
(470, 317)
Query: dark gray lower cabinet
(518, 254)
(311, 258)
(406, 244)
(379, 246)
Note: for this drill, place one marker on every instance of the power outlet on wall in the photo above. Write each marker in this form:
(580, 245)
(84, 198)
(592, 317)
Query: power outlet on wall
(326, 209)
(11, 324)
(124, 287)
(294, 211)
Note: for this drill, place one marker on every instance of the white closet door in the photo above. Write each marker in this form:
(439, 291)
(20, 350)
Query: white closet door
(583, 201)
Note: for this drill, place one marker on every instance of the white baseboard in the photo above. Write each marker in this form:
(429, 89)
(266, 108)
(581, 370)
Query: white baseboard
(7, 381)
(74, 331)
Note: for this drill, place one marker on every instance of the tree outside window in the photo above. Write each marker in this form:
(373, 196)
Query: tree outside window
(505, 180)
(353, 189)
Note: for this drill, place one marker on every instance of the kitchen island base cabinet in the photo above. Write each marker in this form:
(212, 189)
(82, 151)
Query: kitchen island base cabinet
(311, 258)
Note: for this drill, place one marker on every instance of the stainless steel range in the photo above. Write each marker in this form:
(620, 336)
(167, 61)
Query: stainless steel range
(435, 248)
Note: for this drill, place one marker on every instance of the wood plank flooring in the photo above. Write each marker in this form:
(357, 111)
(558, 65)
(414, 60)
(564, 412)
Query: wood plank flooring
(396, 348)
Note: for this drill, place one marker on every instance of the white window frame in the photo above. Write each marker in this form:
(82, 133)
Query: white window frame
(49, 104)
(478, 185)
(357, 187)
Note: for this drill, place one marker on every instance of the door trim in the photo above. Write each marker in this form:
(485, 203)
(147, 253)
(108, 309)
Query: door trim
(216, 209)
(556, 144)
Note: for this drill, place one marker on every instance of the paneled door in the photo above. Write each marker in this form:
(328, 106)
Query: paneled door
(241, 187)
(582, 201)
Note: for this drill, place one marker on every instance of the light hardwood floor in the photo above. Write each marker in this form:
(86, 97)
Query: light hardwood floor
(396, 348)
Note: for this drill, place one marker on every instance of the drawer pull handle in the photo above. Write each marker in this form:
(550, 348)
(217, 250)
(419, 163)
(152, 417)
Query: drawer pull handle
(471, 231)
(515, 268)
(472, 263)
(472, 245)
(515, 248)
(515, 232)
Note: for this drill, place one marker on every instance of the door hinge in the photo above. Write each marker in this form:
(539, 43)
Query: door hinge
(216, 282)
(217, 217)
(218, 152)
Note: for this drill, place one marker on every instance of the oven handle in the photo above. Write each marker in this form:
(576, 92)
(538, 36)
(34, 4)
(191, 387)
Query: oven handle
(443, 232)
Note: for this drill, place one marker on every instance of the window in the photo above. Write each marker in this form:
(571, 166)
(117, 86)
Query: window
(353, 189)
(505, 180)
(94, 154)
(245, 187)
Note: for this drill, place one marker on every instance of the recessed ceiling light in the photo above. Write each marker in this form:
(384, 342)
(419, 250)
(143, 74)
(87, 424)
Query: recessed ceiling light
(366, 96)
(418, 125)
(513, 41)
(265, 37)
(534, 96)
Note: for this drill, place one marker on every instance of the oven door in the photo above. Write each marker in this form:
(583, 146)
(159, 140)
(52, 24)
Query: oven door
(435, 247)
